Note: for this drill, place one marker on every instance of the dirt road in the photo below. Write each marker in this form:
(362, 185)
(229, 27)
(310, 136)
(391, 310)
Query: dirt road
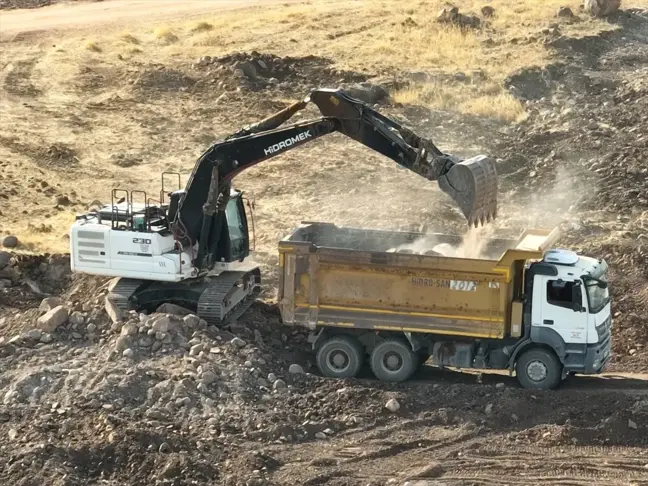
(83, 15)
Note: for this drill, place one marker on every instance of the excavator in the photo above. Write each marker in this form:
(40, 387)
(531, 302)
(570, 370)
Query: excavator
(190, 246)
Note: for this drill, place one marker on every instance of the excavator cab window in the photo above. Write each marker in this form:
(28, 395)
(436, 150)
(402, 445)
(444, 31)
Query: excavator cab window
(237, 228)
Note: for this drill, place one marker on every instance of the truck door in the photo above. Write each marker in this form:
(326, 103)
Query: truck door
(558, 308)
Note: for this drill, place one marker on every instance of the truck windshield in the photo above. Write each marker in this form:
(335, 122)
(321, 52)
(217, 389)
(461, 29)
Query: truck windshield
(597, 296)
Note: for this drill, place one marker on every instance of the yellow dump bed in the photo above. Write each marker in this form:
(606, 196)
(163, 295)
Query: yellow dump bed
(373, 279)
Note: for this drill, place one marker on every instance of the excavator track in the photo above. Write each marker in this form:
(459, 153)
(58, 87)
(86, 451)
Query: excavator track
(123, 291)
(212, 305)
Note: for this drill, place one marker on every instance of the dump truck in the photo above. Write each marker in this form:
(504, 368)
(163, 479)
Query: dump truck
(395, 300)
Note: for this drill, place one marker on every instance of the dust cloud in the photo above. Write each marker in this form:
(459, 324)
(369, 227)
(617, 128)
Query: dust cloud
(545, 208)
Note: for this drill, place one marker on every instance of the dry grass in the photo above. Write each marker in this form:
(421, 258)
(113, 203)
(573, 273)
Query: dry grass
(375, 38)
(202, 27)
(50, 235)
(92, 46)
(483, 99)
(129, 38)
(165, 35)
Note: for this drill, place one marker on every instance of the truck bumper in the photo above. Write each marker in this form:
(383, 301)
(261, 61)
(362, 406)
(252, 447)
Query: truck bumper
(597, 356)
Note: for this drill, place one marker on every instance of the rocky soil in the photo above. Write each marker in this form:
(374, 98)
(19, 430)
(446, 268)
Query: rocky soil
(163, 399)
(90, 398)
(13, 4)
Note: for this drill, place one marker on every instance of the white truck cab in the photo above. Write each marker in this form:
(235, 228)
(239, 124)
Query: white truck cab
(570, 310)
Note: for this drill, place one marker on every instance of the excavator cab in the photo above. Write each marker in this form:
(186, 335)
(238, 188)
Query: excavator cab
(237, 228)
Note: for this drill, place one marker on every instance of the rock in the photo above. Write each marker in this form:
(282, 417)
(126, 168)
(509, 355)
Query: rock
(34, 334)
(367, 92)
(48, 303)
(53, 319)
(113, 311)
(488, 11)
(329, 431)
(91, 327)
(156, 345)
(451, 15)
(499, 386)
(129, 329)
(10, 241)
(279, 384)
(238, 342)
(77, 318)
(565, 13)
(204, 61)
(191, 321)
(46, 338)
(4, 259)
(392, 405)
(262, 382)
(246, 68)
(177, 310)
(161, 324)
(601, 8)
(128, 353)
(295, 369)
(122, 343)
(431, 470)
(272, 377)
(262, 64)
(632, 424)
(208, 377)
(195, 349)
(76, 335)
(489, 409)
(164, 448)
(62, 200)
(145, 342)
(320, 435)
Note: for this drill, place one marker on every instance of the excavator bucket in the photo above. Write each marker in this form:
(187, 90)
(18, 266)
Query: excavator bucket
(472, 184)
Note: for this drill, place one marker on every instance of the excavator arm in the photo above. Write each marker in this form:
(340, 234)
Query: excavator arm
(199, 217)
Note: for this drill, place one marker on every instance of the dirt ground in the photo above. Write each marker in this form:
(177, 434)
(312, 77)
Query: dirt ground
(194, 405)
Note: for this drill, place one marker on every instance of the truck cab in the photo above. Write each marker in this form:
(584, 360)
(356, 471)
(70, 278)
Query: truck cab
(569, 311)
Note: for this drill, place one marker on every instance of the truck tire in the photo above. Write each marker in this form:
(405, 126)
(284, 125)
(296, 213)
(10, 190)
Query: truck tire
(340, 357)
(539, 369)
(393, 360)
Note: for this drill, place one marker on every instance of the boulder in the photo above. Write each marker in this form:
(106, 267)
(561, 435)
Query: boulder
(49, 303)
(161, 324)
(4, 259)
(10, 242)
(488, 11)
(113, 311)
(565, 13)
(53, 319)
(601, 8)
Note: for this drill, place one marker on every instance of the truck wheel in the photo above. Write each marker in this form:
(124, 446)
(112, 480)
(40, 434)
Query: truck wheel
(340, 357)
(539, 369)
(393, 360)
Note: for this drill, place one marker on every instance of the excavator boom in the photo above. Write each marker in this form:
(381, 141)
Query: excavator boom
(471, 183)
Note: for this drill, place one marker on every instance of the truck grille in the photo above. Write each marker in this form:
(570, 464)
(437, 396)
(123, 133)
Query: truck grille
(603, 329)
